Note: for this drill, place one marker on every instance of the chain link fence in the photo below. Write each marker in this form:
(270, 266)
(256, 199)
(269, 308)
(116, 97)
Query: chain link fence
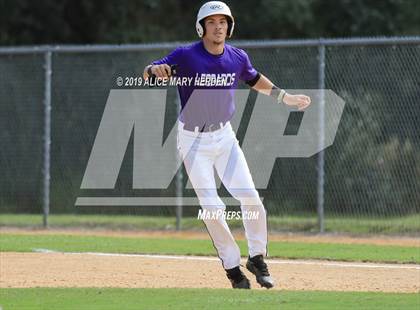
(371, 172)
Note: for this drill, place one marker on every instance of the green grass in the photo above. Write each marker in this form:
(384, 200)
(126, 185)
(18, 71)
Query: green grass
(401, 225)
(93, 298)
(290, 250)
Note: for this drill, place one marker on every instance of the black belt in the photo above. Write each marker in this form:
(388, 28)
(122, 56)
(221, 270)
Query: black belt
(205, 128)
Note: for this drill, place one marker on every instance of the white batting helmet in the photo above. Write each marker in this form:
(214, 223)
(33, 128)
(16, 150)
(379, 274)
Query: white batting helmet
(213, 8)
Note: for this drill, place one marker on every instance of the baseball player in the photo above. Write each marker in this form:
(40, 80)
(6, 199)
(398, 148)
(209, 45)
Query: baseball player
(207, 142)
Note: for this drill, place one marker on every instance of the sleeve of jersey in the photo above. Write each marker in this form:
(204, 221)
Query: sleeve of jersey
(172, 58)
(248, 74)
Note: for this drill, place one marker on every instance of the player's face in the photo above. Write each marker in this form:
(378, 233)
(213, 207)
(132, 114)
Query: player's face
(216, 28)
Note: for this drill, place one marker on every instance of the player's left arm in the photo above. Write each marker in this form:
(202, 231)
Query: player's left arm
(263, 85)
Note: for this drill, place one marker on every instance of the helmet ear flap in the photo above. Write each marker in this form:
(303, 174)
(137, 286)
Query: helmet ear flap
(203, 26)
(230, 28)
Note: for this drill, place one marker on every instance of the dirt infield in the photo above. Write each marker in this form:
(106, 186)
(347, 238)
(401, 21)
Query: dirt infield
(143, 271)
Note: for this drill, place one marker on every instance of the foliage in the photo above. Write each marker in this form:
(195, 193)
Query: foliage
(87, 22)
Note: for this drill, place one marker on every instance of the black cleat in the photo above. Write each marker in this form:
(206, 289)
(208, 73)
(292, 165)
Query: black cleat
(258, 267)
(237, 278)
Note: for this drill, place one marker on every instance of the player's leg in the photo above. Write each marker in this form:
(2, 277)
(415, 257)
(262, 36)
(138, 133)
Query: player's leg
(233, 170)
(235, 175)
(198, 157)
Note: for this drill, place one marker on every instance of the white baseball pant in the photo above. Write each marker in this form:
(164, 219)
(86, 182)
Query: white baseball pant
(201, 153)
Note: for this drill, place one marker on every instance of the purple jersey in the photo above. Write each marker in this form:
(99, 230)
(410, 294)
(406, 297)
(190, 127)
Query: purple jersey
(216, 75)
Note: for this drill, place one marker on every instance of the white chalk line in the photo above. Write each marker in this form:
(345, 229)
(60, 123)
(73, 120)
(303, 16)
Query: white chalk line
(270, 261)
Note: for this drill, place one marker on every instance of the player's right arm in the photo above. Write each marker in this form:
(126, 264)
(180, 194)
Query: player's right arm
(160, 71)
(162, 68)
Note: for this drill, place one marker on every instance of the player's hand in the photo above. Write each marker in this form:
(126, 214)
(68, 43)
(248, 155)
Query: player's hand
(300, 101)
(161, 71)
